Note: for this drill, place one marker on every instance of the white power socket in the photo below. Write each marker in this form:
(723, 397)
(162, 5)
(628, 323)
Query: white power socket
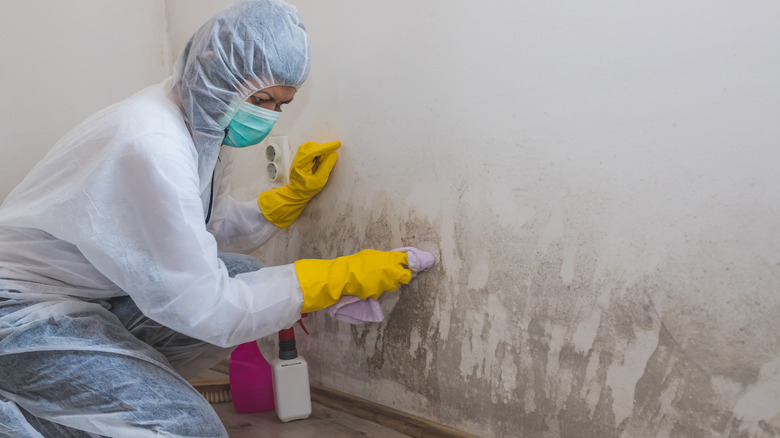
(278, 158)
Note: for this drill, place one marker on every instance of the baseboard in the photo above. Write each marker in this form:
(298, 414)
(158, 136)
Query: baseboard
(380, 414)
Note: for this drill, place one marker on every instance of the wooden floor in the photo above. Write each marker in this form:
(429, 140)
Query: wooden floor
(324, 422)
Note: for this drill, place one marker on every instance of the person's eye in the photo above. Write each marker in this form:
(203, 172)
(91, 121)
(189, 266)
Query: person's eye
(258, 101)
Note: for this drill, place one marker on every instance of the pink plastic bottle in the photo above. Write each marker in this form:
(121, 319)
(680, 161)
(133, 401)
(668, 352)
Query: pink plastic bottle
(251, 379)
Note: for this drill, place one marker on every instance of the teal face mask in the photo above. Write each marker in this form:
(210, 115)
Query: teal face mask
(249, 126)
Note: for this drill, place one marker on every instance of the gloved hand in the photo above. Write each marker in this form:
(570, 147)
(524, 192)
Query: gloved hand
(309, 172)
(367, 274)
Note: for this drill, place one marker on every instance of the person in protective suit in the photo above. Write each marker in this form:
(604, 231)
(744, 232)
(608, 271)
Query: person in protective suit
(122, 257)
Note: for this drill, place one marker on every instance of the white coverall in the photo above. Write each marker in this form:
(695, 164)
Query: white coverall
(119, 208)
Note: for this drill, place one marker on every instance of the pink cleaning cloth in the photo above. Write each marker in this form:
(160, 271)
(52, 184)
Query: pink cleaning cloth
(353, 310)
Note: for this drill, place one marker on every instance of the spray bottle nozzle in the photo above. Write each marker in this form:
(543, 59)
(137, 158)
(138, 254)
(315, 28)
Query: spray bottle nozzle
(300, 321)
(287, 348)
(289, 334)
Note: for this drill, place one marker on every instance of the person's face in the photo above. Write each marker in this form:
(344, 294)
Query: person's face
(272, 98)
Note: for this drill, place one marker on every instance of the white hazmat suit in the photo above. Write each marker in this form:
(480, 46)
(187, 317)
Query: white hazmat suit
(132, 206)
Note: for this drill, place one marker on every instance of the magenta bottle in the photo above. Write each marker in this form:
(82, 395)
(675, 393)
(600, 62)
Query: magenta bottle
(251, 379)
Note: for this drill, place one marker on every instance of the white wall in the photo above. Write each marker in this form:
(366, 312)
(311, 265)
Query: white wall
(62, 61)
(602, 180)
(185, 17)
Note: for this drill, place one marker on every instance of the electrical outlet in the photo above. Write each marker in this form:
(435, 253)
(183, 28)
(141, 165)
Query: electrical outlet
(278, 157)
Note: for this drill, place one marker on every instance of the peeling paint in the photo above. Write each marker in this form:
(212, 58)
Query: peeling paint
(622, 376)
(759, 408)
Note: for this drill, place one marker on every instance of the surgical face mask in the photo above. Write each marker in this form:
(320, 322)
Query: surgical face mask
(250, 125)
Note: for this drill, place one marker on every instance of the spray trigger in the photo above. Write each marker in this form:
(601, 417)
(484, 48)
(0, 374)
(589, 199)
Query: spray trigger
(300, 321)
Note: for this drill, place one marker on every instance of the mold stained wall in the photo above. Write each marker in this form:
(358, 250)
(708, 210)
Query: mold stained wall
(603, 182)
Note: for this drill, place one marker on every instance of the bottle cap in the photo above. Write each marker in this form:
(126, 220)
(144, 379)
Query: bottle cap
(287, 334)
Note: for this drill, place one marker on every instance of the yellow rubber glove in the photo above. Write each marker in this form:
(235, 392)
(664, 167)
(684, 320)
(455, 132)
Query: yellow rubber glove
(309, 173)
(367, 274)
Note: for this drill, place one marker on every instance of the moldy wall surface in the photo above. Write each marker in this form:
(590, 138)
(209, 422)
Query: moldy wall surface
(601, 181)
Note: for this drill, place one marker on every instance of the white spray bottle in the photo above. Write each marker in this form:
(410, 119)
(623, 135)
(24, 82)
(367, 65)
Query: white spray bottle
(291, 379)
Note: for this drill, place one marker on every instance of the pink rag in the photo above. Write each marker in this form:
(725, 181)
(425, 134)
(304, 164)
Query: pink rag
(353, 310)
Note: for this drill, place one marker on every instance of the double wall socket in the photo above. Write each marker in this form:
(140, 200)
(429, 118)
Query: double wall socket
(278, 158)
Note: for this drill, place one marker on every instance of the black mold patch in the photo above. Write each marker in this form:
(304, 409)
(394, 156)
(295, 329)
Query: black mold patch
(457, 368)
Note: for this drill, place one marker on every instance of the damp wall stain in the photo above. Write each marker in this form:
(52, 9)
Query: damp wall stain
(512, 335)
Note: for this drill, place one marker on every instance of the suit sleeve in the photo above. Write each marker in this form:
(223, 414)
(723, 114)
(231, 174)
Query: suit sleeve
(141, 224)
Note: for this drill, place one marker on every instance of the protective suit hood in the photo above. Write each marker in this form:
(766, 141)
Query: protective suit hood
(251, 45)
